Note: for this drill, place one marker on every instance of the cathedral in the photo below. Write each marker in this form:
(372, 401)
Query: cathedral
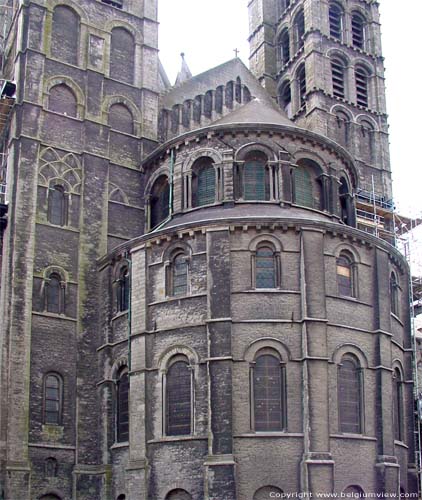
(200, 293)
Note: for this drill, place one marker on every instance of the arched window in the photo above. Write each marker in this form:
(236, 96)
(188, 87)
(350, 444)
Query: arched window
(336, 21)
(122, 55)
(265, 267)
(178, 494)
(345, 281)
(283, 5)
(53, 389)
(50, 496)
(54, 294)
(343, 123)
(284, 46)
(358, 30)
(256, 185)
(57, 206)
(301, 80)
(350, 395)
(122, 406)
(62, 100)
(121, 497)
(177, 274)
(120, 118)
(50, 467)
(203, 182)
(285, 98)
(299, 30)
(178, 397)
(338, 72)
(356, 490)
(123, 289)
(65, 34)
(361, 80)
(303, 187)
(269, 408)
(367, 138)
(398, 405)
(159, 202)
(267, 492)
(346, 203)
(394, 294)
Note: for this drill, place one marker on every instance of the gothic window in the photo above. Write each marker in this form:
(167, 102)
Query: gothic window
(336, 21)
(53, 389)
(394, 294)
(299, 30)
(357, 491)
(65, 34)
(345, 278)
(268, 392)
(203, 182)
(285, 98)
(284, 47)
(361, 79)
(122, 55)
(54, 294)
(50, 467)
(265, 267)
(159, 202)
(256, 177)
(350, 395)
(398, 404)
(178, 494)
(122, 406)
(57, 206)
(120, 118)
(358, 30)
(178, 397)
(123, 289)
(303, 194)
(301, 79)
(338, 76)
(177, 274)
(62, 100)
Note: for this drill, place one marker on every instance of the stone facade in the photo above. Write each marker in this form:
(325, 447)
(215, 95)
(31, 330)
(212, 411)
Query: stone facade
(163, 241)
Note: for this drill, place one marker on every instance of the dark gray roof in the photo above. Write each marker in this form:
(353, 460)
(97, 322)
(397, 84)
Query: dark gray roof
(210, 80)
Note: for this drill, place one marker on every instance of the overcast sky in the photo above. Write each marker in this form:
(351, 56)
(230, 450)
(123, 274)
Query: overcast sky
(208, 33)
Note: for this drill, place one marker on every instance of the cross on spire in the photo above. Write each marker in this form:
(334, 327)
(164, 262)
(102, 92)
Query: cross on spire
(236, 52)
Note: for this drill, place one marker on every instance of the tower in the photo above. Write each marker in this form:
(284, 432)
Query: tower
(85, 110)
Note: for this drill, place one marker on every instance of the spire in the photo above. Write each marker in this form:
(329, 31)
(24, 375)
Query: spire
(184, 73)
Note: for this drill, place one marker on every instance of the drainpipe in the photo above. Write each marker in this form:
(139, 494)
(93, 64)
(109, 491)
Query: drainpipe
(129, 313)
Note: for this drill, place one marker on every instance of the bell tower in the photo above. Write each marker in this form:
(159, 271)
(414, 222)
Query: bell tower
(85, 110)
(322, 62)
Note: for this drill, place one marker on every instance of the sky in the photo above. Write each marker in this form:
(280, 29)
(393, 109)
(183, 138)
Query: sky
(208, 33)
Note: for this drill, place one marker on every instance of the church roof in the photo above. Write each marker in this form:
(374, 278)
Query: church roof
(258, 110)
(184, 74)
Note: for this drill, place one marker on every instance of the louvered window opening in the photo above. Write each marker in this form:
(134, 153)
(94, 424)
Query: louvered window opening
(300, 30)
(178, 399)
(123, 408)
(285, 96)
(114, 3)
(56, 206)
(256, 181)
(303, 188)
(358, 31)
(265, 268)
(361, 87)
(160, 202)
(285, 47)
(206, 186)
(180, 275)
(344, 276)
(302, 85)
(53, 294)
(397, 405)
(349, 395)
(336, 22)
(52, 400)
(268, 397)
(337, 71)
